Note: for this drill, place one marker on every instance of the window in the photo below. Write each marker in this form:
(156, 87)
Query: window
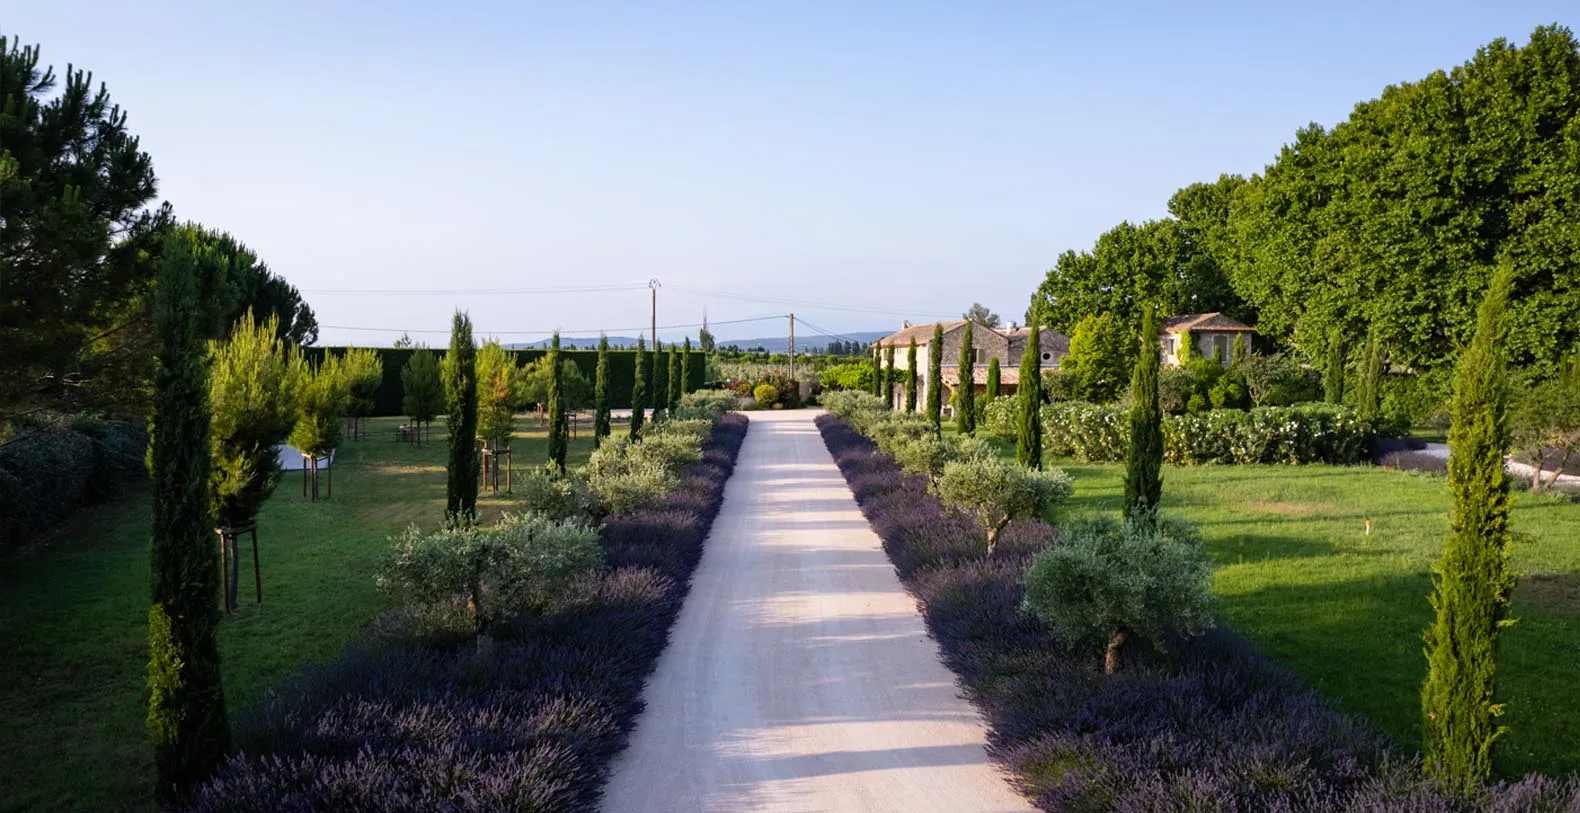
(1220, 349)
(981, 356)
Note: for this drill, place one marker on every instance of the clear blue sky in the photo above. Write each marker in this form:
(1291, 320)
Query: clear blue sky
(902, 157)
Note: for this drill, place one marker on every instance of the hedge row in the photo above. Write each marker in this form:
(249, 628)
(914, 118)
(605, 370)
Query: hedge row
(531, 722)
(52, 468)
(1217, 727)
(1304, 433)
(622, 372)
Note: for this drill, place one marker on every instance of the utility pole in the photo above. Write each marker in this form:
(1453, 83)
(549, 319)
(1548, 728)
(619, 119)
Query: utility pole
(792, 347)
(653, 285)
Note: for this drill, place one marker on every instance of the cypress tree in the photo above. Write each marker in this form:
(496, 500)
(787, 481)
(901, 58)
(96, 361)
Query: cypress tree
(601, 393)
(186, 706)
(685, 367)
(1144, 460)
(889, 376)
(935, 372)
(673, 376)
(1028, 434)
(910, 377)
(559, 427)
(1473, 577)
(1239, 352)
(995, 384)
(877, 370)
(1333, 374)
(966, 415)
(658, 382)
(639, 389)
(1368, 391)
(460, 389)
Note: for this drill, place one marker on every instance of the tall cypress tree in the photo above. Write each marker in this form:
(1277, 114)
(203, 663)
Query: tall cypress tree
(685, 367)
(935, 372)
(601, 393)
(1368, 391)
(966, 420)
(658, 381)
(1473, 577)
(877, 370)
(1028, 434)
(639, 390)
(559, 427)
(1144, 460)
(889, 376)
(995, 384)
(673, 375)
(1333, 374)
(186, 706)
(911, 377)
(460, 391)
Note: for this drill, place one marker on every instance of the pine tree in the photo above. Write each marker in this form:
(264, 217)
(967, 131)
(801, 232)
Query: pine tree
(1473, 577)
(464, 466)
(889, 376)
(186, 706)
(911, 375)
(1028, 434)
(685, 367)
(601, 393)
(966, 411)
(994, 379)
(1144, 460)
(559, 427)
(253, 399)
(639, 390)
(1333, 374)
(935, 383)
(1368, 391)
(673, 375)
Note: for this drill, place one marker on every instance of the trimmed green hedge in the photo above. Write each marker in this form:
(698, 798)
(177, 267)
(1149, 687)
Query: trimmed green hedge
(622, 372)
(53, 467)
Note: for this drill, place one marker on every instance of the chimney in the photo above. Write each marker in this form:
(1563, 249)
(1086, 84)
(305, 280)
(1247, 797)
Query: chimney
(905, 324)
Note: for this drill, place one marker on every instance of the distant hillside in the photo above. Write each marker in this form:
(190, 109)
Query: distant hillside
(773, 344)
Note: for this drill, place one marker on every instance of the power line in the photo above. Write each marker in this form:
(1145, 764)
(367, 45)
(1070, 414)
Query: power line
(475, 291)
(795, 302)
(830, 334)
(638, 329)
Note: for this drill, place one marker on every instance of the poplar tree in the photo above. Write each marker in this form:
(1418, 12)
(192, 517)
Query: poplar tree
(935, 384)
(1028, 434)
(601, 393)
(685, 367)
(910, 377)
(639, 389)
(1333, 373)
(186, 704)
(1473, 579)
(994, 382)
(673, 374)
(464, 466)
(1368, 391)
(559, 428)
(1144, 460)
(966, 418)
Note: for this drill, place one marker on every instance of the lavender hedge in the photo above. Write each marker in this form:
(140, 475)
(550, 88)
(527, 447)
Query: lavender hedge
(1216, 727)
(530, 723)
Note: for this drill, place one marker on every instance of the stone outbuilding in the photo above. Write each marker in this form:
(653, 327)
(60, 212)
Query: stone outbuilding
(987, 343)
(1211, 336)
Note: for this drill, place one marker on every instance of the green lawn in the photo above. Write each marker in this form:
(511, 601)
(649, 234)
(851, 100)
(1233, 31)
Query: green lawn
(73, 614)
(1298, 576)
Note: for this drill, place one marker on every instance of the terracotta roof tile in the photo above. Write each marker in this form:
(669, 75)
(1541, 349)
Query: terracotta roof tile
(1203, 321)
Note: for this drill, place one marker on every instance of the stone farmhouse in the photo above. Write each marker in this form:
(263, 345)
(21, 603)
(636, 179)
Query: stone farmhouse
(1006, 345)
(1211, 334)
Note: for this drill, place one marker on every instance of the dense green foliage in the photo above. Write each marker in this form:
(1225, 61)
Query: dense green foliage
(1474, 577)
(559, 425)
(501, 389)
(855, 375)
(464, 465)
(363, 371)
(1106, 582)
(186, 702)
(672, 379)
(55, 465)
(996, 492)
(1333, 369)
(422, 393)
(639, 390)
(890, 377)
(1544, 423)
(685, 372)
(1144, 457)
(966, 408)
(1306, 433)
(1102, 353)
(253, 392)
(322, 396)
(1028, 417)
(601, 427)
(935, 377)
(911, 375)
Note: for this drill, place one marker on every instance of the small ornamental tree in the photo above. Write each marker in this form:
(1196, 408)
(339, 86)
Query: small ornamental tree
(325, 392)
(1368, 390)
(935, 378)
(1106, 582)
(639, 390)
(501, 385)
(1144, 460)
(464, 465)
(601, 393)
(422, 396)
(186, 702)
(911, 375)
(363, 370)
(1333, 371)
(995, 383)
(253, 392)
(559, 426)
(996, 492)
(676, 385)
(1474, 577)
(966, 409)
(890, 377)
(1028, 427)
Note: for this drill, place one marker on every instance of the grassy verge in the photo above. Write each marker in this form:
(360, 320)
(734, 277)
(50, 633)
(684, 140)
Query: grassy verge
(73, 614)
(1299, 577)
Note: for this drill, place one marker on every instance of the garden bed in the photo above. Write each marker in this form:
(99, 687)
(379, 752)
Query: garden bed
(531, 722)
(1215, 727)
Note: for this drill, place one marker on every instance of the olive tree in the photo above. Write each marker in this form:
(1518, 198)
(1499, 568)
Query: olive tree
(996, 491)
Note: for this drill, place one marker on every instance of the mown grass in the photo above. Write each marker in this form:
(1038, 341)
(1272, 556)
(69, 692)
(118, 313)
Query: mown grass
(1298, 576)
(73, 613)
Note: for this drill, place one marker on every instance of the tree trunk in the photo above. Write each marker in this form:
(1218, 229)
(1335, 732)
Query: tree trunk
(1115, 643)
(992, 536)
